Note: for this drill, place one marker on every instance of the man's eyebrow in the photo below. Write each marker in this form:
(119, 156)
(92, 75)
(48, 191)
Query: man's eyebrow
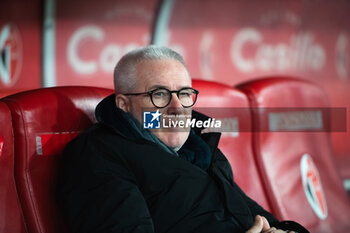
(157, 86)
(162, 86)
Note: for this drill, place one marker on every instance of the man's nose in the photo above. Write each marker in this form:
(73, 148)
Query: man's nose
(175, 101)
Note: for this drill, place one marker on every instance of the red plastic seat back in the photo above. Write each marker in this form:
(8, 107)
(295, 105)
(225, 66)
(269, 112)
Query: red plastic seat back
(297, 167)
(44, 120)
(224, 102)
(11, 219)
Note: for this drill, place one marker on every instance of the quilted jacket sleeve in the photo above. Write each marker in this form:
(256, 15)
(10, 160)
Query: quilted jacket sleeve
(254, 207)
(99, 195)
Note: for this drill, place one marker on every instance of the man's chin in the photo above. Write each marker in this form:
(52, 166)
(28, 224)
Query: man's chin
(176, 148)
(174, 140)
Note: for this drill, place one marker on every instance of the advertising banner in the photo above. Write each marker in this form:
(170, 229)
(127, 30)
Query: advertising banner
(91, 36)
(20, 45)
(231, 41)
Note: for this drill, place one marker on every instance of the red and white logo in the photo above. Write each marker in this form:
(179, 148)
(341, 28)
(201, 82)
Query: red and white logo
(10, 54)
(313, 187)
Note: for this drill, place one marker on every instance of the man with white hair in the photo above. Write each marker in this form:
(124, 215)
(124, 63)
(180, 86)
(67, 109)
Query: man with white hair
(119, 177)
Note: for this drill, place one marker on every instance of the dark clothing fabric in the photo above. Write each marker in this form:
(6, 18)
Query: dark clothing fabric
(114, 180)
(196, 151)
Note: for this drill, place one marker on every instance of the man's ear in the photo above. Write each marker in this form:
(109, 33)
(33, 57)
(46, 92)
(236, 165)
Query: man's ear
(122, 102)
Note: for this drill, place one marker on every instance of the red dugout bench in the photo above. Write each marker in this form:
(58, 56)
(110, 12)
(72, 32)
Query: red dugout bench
(11, 219)
(44, 120)
(294, 155)
(269, 166)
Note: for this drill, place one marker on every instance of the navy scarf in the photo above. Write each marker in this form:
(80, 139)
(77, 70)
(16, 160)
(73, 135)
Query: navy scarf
(196, 151)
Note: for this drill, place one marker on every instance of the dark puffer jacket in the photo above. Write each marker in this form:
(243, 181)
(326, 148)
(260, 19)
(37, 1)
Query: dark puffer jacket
(111, 180)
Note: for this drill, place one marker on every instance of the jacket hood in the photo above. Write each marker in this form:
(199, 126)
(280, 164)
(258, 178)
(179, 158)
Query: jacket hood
(108, 114)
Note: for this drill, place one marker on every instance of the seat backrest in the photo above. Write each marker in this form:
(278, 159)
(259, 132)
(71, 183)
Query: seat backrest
(11, 218)
(44, 120)
(230, 105)
(293, 151)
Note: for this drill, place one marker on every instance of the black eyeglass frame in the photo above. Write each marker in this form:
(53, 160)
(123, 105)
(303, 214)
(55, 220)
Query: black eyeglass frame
(196, 92)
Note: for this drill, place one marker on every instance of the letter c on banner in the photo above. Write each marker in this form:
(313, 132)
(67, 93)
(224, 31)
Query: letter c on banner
(80, 66)
(243, 36)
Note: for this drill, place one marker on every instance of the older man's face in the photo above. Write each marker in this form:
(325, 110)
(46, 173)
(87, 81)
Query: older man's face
(170, 74)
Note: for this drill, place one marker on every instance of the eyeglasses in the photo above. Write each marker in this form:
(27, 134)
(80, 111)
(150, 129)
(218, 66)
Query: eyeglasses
(161, 97)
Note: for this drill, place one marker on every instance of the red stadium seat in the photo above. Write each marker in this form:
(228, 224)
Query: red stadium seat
(44, 120)
(293, 152)
(11, 218)
(223, 102)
